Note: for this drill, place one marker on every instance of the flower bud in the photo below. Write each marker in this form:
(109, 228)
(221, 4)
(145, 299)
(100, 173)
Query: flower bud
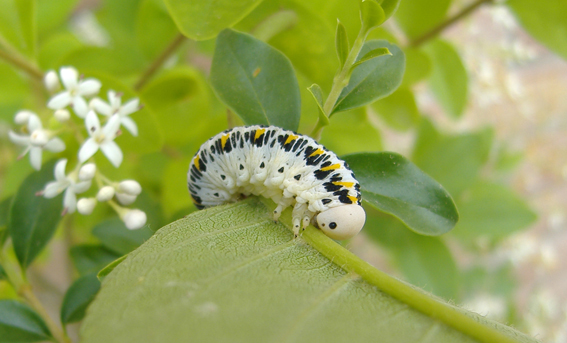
(125, 199)
(86, 206)
(39, 138)
(130, 187)
(51, 81)
(62, 115)
(134, 219)
(22, 117)
(87, 172)
(105, 193)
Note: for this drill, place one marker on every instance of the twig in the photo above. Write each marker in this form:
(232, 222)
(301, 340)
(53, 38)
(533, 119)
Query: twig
(18, 61)
(26, 292)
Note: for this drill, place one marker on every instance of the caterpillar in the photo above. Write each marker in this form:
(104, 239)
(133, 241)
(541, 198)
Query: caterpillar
(287, 167)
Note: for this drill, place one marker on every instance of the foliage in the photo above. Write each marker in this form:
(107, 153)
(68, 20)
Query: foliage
(196, 69)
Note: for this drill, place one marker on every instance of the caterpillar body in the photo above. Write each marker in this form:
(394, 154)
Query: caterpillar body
(287, 167)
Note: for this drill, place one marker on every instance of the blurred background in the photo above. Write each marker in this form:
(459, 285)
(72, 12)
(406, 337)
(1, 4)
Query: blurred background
(481, 109)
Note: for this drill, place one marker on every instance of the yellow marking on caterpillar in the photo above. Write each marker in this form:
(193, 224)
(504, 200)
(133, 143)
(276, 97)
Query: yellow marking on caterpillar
(317, 152)
(331, 167)
(223, 140)
(353, 199)
(259, 132)
(346, 184)
(196, 162)
(291, 138)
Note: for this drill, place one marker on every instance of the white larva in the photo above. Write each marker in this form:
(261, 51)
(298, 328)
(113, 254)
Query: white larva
(289, 168)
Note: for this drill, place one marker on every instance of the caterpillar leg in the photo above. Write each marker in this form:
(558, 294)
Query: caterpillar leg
(282, 205)
(298, 217)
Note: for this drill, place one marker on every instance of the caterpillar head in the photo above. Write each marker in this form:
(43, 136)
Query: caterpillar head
(342, 222)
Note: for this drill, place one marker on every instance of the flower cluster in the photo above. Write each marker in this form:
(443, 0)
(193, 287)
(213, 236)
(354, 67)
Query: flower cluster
(76, 96)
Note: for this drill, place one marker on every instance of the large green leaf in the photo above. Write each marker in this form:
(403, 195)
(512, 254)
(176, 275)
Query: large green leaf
(417, 17)
(154, 28)
(202, 20)
(491, 211)
(351, 131)
(373, 79)
(448, 79)
(231, 274)
(114, 236)
(50, 13)
(33, 219)
(255, 81)
(394, 185)
(453, 160)
(19, 323)
(545, 20)
(399, 109)
(78, 297)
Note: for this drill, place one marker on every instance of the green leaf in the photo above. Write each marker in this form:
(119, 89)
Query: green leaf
(389, 7)
(19, 323)
(424, 261)
(114, 236)
(317, 93)
(28, 24)
(492, 211)
(396, 186)
(233, 265)
(275, 24)
(201, 20)
(104, 59)
(91, 258)
(374, 79)
(175, 195)
(243, 73)
(33, 219)
(453, 160)
(399, 109)
(51, 14)
(55, 48)
(448, 79)
(545, 21)
(418, 66)
(78, 297)
(4, 213)
(341, 44)
(351, 131)
(110, 267)
(13, 90)
(370, 55)
(154, 28)
(371, 15)
(417, 17)
(2, 273)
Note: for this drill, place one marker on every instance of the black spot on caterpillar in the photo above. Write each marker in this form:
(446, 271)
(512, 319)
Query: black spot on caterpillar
(250, 161)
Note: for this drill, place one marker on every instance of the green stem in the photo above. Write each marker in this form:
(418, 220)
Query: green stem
(26, 292)
(159, 61)
(11, 56)
(340, 81)
(450, 21)
(414, 297)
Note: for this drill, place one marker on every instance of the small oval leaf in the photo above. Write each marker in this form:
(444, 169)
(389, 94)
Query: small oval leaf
(374, 79)
(341, 43)
(317, 94)
(19, 323)
(114, 236)
(33, 219)
(394, 185)
(91, 258)
(78, 297)
(243, 73)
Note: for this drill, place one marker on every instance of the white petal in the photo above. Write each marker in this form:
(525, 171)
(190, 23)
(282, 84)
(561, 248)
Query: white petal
(92, 123)
(55, 144)
(88, 149)
(101, 107)
(70, 201)
(80, 106)
(86, 206)
(35, 158)
(54, 188)
(62, 115)
(130, 125)
(19, 139)
(125, 199)
(130, 187)
(87, 172)
(39, 138)
(34, 123)
(112, 151)
(60, 100)
(113, 99)
(134, 219)
(69, 77)
(111, 127)
(130, 107)
(89, 87)
(51, 81)
(59, 170)
(81, 187)
(105, 193)
(22, 117)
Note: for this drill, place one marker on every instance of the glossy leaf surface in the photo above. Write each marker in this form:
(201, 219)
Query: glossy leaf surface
(19, 323)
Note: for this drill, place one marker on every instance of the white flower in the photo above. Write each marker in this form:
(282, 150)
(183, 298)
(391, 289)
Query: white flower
(62, 115)
(134, 219)
(23, 117)
(125, 199)
(67, 183)
(38, 140)
(114, 106)
(130, 187)
(75, 89)
(51, 81)
(86, 206)
(87, 172)
(105, 193)
(102, 138)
